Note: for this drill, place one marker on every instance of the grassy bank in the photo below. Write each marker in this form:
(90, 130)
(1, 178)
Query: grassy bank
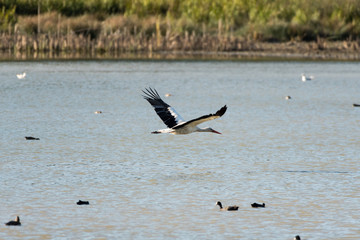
(269, 20)
(91, 26)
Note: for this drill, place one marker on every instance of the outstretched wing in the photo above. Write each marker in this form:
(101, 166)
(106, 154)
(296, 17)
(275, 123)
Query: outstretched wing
(197, 121)
(167, 114)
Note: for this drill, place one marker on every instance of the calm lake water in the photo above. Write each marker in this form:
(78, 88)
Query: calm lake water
(300, 156)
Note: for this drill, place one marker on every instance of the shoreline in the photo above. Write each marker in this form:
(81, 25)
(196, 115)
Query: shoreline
(190, 56)
(26, 48)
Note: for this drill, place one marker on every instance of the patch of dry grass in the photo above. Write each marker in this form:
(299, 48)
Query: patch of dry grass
(54, 23)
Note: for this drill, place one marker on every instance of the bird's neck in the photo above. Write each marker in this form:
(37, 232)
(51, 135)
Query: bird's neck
(204, 129)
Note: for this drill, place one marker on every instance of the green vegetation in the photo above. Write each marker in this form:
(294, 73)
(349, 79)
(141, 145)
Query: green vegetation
(7, 18)
(266, 20)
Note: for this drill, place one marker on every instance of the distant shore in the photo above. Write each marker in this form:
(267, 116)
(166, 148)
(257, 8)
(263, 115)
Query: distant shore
(59, 29)
(117, 46)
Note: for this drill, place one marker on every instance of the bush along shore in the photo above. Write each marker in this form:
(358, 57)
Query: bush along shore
(326, 29)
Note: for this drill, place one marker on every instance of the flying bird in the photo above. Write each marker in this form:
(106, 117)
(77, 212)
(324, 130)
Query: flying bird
(175, 123)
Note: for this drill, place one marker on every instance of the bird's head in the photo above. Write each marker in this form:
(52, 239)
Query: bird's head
(219, 204)
(208, 129)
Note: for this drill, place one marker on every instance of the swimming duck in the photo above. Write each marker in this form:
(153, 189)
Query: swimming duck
(80, 202)
(14, 223)
(257, 205)
(305, 78)
(297, 237)
(32, 138)
(21, 75)
(228, 208)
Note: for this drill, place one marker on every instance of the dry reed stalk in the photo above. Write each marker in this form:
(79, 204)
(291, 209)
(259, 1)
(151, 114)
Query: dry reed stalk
(119, 42)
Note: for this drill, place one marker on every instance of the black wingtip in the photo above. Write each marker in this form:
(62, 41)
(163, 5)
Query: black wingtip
(221, 111)
(151, 93)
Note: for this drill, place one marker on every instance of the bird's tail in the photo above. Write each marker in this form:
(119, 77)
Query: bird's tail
(168, 130)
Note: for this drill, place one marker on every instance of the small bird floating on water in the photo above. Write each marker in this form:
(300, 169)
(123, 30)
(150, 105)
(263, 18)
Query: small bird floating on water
(288, 97)
(305, 78)
(168, 95)
(21, 75)
(32, 138)
(356, 105)
(176, 124)
(80, 202)
(297, 237)
(257, 205)
(228, 208)
(14, 223)
(98, 112)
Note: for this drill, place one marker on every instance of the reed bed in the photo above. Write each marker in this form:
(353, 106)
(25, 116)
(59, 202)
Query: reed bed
(119, 43)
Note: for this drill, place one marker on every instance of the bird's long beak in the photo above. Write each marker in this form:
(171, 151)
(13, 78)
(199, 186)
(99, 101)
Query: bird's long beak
(215, 131)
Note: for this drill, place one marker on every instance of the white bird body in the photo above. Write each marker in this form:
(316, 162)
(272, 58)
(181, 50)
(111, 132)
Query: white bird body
(304, 78)
(184, 130)
(176, 124)
(21, 75)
